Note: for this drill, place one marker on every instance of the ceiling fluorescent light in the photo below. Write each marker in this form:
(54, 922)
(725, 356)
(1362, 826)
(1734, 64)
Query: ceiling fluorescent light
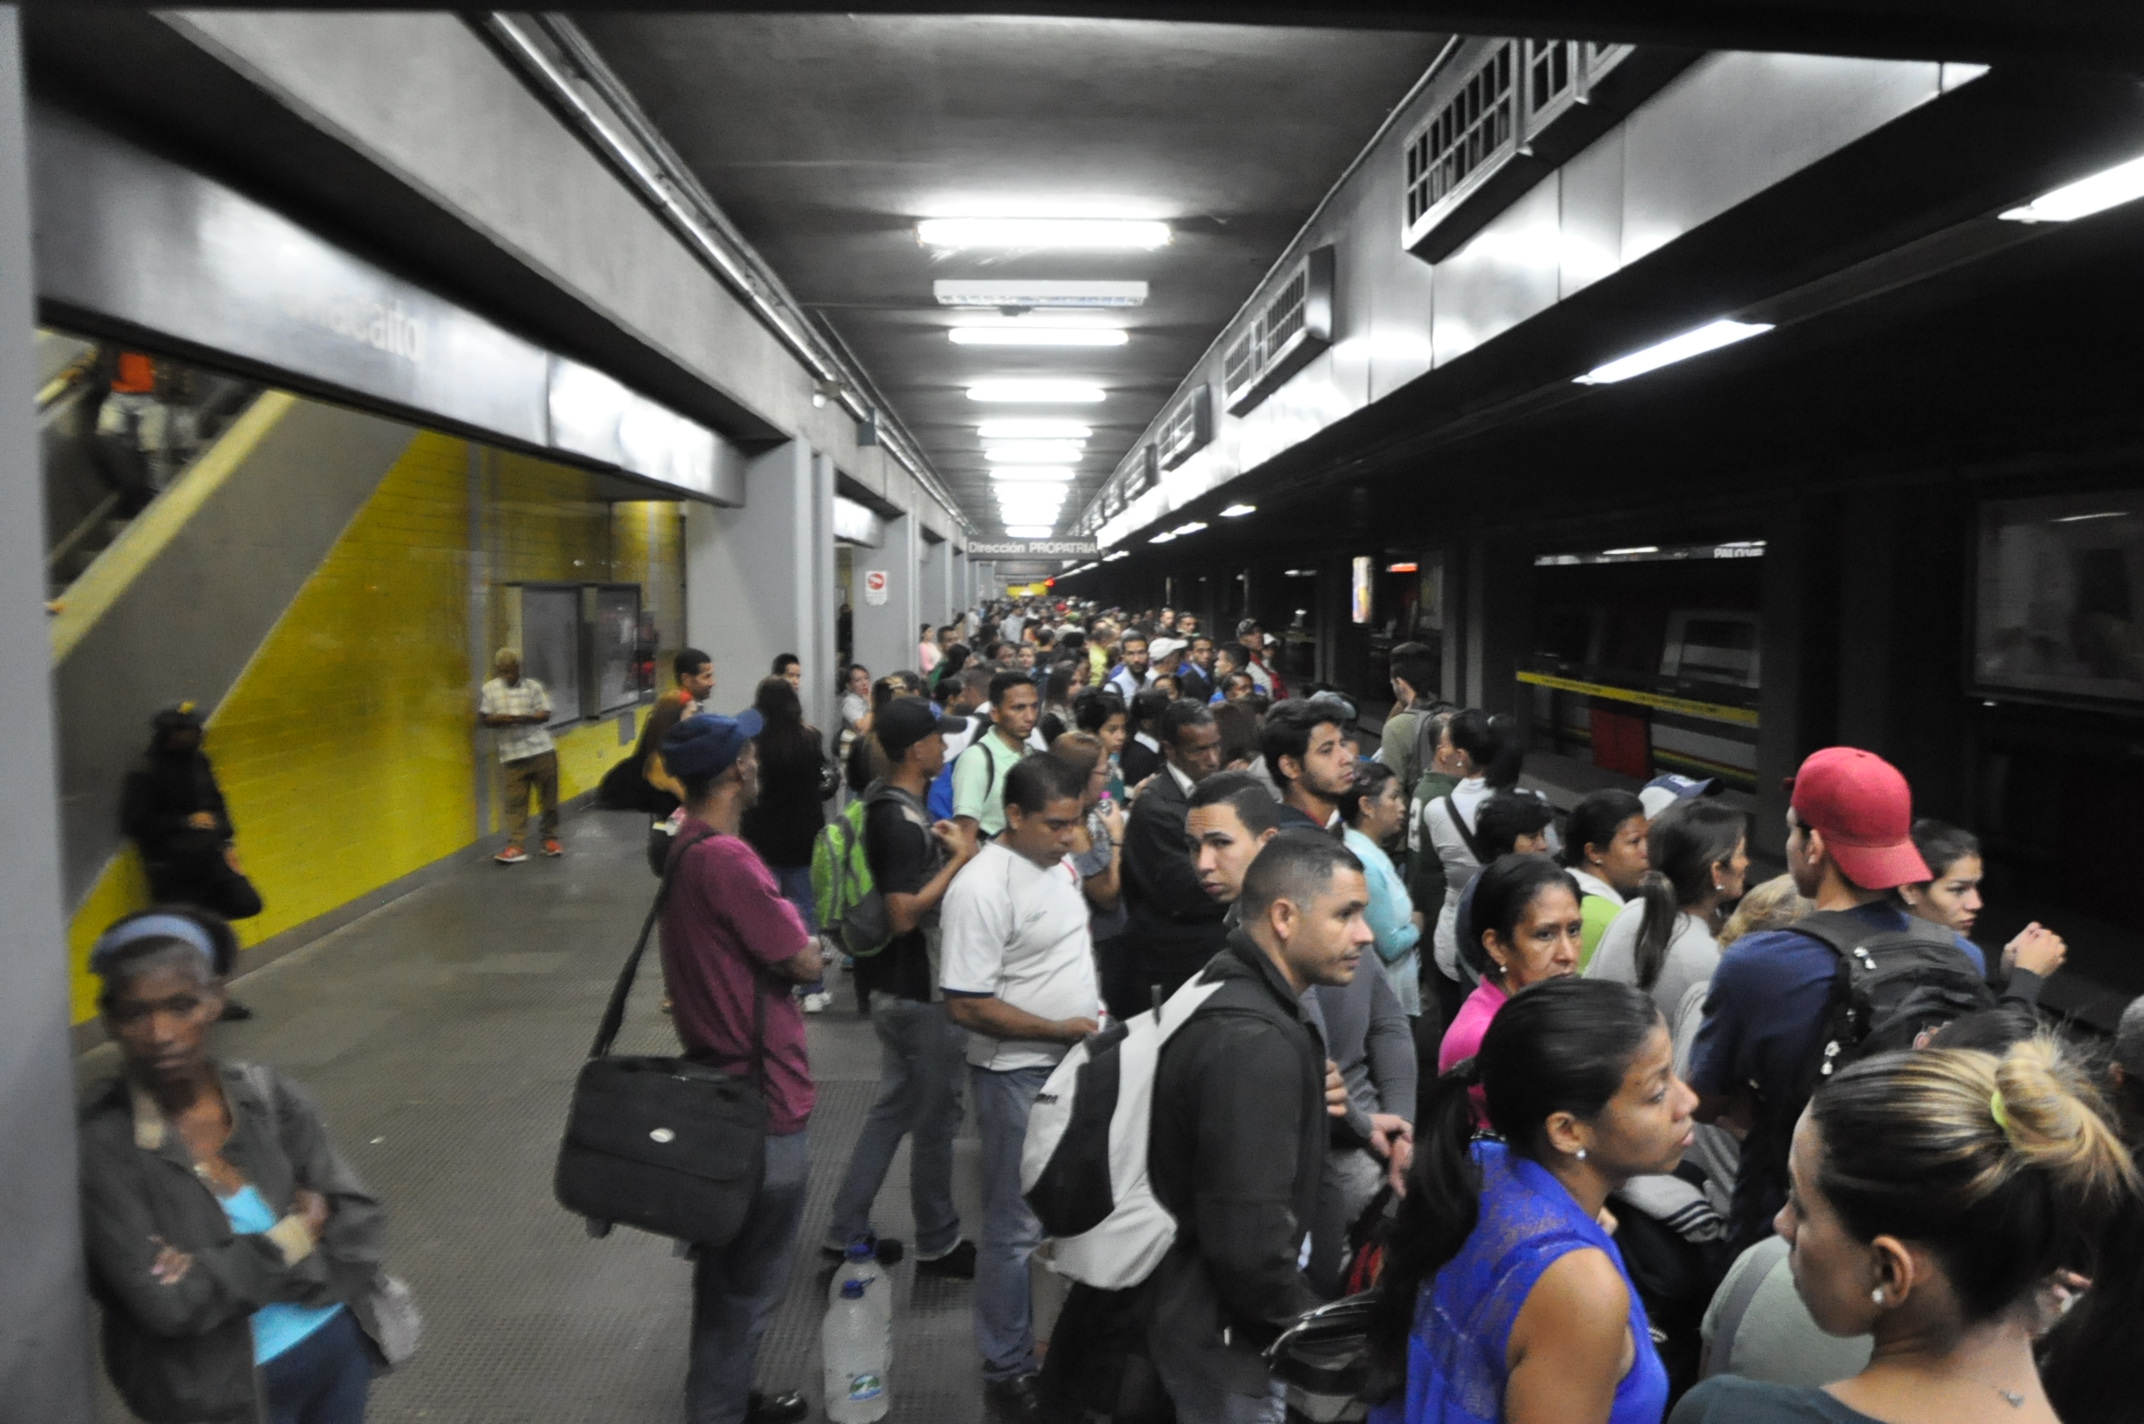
(1004, 292)
(1038, 336)
(1119, 554)
(1633, 549)
(1031, 475)
(1192, 528)
(1070, 234)
(1029, 531)
(1037, 392)
(2108, 188)
(1237, 511)
(1709, 337)
(1033, 430)
(1035, 452)
(1162, 538)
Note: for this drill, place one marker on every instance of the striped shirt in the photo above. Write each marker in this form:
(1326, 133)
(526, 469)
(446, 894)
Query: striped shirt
(524, 698)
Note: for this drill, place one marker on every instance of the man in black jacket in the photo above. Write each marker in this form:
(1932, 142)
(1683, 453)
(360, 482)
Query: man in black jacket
(1239, 1132)
(1174, 926)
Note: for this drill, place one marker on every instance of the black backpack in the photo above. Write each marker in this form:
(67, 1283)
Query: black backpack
(1892, 985)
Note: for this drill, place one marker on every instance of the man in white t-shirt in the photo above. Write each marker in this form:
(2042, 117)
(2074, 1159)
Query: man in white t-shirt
(1017, 970)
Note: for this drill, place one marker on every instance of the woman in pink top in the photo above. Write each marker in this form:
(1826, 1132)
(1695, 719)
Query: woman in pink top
(1525, 927)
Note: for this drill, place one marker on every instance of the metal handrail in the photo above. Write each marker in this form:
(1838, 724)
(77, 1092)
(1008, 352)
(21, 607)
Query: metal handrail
(81, 532)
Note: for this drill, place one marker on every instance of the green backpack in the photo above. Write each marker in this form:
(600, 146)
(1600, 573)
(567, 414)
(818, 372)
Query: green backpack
(852, 912)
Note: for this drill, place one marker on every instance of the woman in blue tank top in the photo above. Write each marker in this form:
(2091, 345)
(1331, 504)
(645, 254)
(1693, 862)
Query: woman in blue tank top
(1503, 1299)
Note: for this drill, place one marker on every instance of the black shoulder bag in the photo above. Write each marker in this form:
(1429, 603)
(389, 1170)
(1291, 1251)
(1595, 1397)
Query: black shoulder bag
(667, 1145)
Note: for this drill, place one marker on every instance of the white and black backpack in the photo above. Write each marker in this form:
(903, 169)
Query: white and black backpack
(1083, 1168)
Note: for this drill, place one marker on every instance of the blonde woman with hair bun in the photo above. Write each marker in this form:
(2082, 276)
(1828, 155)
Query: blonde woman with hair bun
(1937, 1196)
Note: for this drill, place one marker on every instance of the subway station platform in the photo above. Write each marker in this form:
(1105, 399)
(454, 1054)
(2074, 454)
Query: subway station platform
(441, 1034)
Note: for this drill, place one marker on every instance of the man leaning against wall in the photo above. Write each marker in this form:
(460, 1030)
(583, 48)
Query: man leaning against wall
(519, 710)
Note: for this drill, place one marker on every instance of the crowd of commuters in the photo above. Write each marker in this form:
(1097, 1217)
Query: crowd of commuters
(1559, 1088)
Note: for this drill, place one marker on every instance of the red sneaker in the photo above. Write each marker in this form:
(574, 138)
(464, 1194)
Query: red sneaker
(552, 847)
(512, 855)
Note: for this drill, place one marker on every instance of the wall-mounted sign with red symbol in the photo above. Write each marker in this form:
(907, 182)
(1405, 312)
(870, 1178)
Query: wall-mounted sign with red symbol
(875, 586)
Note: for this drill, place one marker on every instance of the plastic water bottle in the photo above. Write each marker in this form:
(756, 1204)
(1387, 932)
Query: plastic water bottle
(860, 1263)
(855, 1341)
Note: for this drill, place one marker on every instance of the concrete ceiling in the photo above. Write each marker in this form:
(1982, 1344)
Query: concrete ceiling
(827, 137)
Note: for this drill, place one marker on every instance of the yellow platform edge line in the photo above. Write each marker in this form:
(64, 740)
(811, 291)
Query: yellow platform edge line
(101, 585)
(1717, 711)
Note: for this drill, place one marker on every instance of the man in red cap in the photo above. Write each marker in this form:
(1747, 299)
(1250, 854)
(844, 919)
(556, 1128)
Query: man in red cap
(1849, 846)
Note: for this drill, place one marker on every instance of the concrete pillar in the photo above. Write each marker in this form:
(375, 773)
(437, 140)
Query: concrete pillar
(759, 580)
(44, 1301)
(816, 644)
(963, 580)
(941, 599)
(886, 632)
(930, 581)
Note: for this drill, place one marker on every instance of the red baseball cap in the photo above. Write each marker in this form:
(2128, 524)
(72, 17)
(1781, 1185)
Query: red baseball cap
(1864, 810)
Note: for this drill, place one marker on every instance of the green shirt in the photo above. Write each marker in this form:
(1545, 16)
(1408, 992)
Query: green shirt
(979, 781)
(1594, 913)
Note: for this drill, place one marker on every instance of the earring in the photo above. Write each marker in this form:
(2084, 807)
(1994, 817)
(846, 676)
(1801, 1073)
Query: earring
(1581, 1154)
(1876, 1295)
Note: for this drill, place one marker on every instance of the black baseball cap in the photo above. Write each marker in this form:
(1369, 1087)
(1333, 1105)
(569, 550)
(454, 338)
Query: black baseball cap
(905, 721)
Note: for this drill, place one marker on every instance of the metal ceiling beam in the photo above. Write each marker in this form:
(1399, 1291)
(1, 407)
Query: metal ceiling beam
(2096, 34)
(566, 70)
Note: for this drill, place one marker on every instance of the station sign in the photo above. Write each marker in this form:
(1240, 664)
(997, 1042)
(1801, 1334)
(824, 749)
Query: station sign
(1033, 548)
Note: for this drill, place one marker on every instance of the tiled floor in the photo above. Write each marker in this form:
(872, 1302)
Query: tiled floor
(441, 1035)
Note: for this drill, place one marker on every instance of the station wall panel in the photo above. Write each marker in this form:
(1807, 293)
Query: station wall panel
(347, 748)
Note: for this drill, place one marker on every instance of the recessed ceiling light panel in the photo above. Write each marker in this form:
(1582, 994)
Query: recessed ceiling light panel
(1709, 337)
(1015, 334)
(1037, 392)
(2110, 187)
(1031, 475)
(1035, 452)
(1062, 234)
(1012, 292)
(1033, 430)
(1029, 531)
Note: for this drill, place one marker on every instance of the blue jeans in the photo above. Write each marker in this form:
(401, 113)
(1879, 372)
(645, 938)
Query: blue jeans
(735, 1288)
(919, 1093)
(1004, 1314)
(323, 1378)
(794, 882)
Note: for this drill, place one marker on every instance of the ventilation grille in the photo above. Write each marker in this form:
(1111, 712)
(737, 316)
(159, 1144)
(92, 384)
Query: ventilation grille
(1293, 325)
(1187, 430)
(1473, 130)
(1504, 100)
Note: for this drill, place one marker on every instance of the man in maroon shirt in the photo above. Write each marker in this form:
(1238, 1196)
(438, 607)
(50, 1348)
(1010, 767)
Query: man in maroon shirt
(732, 949)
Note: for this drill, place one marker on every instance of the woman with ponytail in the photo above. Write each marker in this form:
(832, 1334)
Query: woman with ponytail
(1484, 753)
(1936, 1195)
(1504, 1299)
(1665, 941)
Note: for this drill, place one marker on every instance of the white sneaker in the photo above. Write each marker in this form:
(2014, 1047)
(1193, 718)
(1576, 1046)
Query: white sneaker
(818, 1003)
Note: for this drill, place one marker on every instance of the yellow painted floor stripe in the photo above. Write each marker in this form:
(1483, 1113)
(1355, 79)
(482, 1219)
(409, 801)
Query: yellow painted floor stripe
(1717, 711)
(101, 585)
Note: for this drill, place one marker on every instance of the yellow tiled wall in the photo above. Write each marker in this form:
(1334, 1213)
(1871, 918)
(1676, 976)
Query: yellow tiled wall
(347, 748)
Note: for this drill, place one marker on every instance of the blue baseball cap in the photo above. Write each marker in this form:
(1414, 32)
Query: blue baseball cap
(709, 744)
(1664, 791)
